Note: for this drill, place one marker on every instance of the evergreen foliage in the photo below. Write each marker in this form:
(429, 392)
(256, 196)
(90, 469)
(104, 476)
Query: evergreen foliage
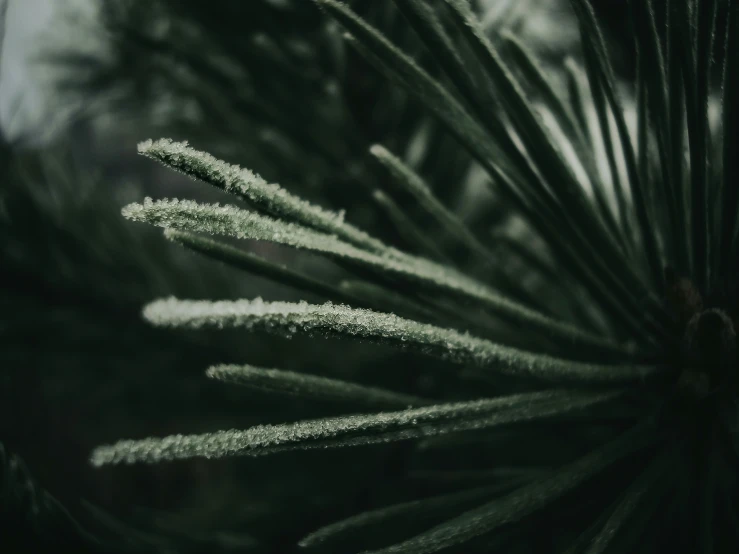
(569, 386)
(648, 240)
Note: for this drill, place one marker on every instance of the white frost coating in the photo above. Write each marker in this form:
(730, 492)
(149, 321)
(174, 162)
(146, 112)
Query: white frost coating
(353, 430)
(311, 386)
(186, 215)
(265, 196)
(339, 320)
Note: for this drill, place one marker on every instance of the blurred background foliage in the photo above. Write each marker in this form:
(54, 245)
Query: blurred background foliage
(268, 84)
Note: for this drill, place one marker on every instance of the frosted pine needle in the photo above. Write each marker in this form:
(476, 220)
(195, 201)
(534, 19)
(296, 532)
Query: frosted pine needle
(265, 196)
(330, 319)
(350, 430)
(186, 215)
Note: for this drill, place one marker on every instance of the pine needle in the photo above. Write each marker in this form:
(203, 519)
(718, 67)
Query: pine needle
(452, 113)
(267, 197)
(342, 321)
(311, 386)
(407, 179)
(415, 512)
(628, 505)
(409, 231)
(592, 36)
(523, 59)
(186, 215)
(588, 233)
(352, 430)
(730, 124)
(539, 142)
(652, 53)
(256, 265)
(523, 501)
(529, 195)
